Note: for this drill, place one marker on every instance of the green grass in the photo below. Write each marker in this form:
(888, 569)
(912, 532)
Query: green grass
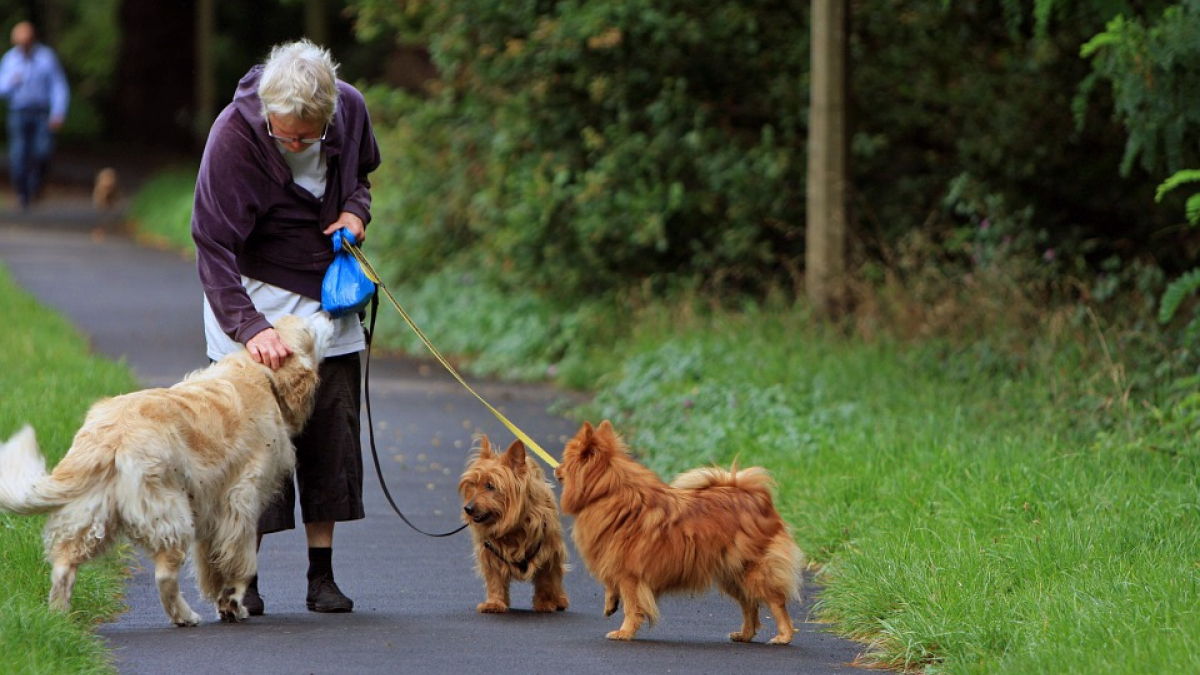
(49, 380)
(161, 211)
(971, 515)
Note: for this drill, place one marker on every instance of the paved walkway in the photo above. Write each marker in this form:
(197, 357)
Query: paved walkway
(415, 596)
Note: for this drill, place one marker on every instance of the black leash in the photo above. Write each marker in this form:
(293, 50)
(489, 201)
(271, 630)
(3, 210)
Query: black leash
(371, 427)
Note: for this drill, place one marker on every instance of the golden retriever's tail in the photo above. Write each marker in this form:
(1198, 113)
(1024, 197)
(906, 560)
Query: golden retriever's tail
(25, 487)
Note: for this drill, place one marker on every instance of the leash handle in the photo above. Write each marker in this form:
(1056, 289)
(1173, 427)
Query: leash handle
(371, 429)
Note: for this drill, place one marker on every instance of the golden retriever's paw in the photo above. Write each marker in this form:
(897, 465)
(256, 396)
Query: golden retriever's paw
(491, 607)
(739, 636)
(623, 635)
(188, 621)
(780, 639)
(232, 611)
(228, 616)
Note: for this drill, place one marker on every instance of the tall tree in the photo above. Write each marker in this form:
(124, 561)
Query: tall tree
(825, 236)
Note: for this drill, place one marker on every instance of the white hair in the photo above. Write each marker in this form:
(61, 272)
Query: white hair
(299, 80)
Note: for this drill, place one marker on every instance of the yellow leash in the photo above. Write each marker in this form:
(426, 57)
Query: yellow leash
(374, 276)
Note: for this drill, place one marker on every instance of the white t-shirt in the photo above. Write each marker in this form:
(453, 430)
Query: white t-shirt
(274, 302)
(309, 172)
(308, 168)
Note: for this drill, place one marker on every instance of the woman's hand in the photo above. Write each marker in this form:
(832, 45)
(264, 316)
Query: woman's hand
(268, 349)
(352, 223)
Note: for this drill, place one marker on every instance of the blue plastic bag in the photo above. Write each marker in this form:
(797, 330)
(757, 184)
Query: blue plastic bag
(346, 288)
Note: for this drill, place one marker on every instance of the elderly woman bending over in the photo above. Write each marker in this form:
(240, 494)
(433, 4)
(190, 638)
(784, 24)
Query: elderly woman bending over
(284, 167)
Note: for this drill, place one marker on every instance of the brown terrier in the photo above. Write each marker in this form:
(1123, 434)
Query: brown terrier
(515, 524)
(641, 537)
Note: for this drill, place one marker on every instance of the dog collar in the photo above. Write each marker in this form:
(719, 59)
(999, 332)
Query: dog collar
(521, 565)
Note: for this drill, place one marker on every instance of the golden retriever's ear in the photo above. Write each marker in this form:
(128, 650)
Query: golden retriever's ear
(485, 447)
(297, 389)
(514, 457)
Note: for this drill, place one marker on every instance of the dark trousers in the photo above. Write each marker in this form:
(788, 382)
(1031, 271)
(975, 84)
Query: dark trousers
(29, 146)
(329, 467)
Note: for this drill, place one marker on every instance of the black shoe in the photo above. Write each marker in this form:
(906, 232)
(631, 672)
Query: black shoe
(252, 601)
(325, 596)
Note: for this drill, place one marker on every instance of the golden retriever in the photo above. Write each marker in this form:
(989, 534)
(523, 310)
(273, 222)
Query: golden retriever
(641, 537)
(191, 466)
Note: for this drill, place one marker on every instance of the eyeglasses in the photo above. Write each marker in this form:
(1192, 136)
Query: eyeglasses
(292, 139)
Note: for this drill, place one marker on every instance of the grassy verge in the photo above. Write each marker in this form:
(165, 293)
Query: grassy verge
(48, 380)
(974, 516)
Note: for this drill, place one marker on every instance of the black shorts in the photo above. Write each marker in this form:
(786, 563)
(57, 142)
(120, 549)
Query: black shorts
(329, 468)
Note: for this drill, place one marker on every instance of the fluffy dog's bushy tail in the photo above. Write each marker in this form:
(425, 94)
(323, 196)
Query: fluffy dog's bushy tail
(25, 487)
(753, 479)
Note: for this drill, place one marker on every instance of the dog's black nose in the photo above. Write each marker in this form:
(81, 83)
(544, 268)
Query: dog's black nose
(470, 509)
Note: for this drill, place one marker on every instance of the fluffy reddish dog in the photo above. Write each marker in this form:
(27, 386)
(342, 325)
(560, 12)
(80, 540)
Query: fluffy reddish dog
(515, 524)
(641, 537)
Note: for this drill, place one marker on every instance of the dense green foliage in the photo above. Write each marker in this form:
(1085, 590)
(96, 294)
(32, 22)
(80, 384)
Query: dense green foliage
(964, 113)
(582, 146)
(1149, 65)
(1146, 60)
(49, 379)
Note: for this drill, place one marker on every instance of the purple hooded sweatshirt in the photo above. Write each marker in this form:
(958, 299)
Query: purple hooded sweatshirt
(250, 218)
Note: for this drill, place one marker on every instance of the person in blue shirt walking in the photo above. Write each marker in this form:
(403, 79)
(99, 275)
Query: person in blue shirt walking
(32, 80)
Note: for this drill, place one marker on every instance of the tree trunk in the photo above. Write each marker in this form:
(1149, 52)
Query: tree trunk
(316, 23)
(825, 233)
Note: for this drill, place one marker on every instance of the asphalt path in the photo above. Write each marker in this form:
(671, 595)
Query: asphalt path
(414, 596)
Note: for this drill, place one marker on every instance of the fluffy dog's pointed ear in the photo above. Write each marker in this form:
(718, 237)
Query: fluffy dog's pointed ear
(604, 442)
(607, 437)
(594, 441)
(485, 447)
(585, 433)
(514, 457)
(584, 441)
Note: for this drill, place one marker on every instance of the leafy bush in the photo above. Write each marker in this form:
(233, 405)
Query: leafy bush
(583, 146)
(1148, 63)
(965, 113)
